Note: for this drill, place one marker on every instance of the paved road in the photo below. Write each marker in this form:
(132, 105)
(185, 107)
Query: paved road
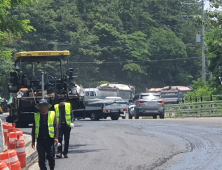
(172, 144)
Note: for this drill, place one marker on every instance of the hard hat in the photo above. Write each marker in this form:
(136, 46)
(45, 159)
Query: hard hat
(43, 101)
(17, 67)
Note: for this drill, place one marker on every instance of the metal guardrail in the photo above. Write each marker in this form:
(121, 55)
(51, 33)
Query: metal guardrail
(194, 109)
(201, 98)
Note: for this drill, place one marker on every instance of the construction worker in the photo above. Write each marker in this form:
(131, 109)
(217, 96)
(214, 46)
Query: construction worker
(64, 118)
(45, 131)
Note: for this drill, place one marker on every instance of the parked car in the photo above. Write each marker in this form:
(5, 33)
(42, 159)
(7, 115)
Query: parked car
(146, 104)
(118, 106)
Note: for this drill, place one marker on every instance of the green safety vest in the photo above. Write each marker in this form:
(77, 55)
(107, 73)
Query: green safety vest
(68, 112)
(51, 120)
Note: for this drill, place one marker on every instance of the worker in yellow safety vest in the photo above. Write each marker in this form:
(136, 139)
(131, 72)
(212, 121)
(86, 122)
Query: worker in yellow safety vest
(64, 118)
(45, 131)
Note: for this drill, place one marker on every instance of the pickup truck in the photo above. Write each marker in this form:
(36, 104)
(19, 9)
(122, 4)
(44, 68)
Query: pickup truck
(98, 108)
(119, 106)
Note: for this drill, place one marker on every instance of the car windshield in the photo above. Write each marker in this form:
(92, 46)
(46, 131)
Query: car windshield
(124, 94)
(115, 99)
(150, 97)
(106, 93)
(90, 93)
(169, 94)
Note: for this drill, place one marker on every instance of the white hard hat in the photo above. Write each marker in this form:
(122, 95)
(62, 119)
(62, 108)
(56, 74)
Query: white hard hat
(17, 67)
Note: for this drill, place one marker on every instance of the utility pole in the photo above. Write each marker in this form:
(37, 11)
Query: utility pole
(203, 34)
(203, 44)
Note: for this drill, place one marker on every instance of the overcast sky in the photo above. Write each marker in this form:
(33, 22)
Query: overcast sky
(207, 5)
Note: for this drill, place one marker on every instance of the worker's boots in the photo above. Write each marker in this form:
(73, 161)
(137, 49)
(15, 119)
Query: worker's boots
(65, 155)
(59, 155)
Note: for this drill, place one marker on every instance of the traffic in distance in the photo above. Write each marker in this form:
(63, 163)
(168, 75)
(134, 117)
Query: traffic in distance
(32, 81)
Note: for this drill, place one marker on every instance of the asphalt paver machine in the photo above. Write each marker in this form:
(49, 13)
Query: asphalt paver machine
(33, 82)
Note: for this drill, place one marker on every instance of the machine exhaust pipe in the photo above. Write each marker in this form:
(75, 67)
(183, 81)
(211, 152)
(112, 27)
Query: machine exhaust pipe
(43, 96)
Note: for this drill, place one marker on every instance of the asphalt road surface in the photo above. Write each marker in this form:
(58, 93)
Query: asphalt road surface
(172, 144)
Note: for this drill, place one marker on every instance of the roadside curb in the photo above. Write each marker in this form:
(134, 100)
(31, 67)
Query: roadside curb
(31, 154)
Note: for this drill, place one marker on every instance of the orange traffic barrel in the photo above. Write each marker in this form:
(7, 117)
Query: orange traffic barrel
(6, 127)
(20, 135)
(12, 140)
(20, 150)
(3, 165)
(11, 158)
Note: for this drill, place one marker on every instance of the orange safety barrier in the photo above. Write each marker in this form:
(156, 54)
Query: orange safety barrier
(6, 127)
(20, 149)
(12, 140)
(20, 134)
(18, 145)
(11, 158)
(3, 165)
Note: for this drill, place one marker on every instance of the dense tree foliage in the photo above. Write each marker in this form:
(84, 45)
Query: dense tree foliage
(144, 43)
(11, 28)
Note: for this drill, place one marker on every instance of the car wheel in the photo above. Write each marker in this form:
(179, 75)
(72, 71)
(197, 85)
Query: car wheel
(115, 117)
(137, 115)
(130, 116)
(162, 115)
(94, 117)
(154, 117)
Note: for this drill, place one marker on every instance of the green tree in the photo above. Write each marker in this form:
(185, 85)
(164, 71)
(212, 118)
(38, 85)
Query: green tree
(11, 28)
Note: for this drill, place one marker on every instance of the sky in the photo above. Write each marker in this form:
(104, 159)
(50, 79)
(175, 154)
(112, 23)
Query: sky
(207, 5)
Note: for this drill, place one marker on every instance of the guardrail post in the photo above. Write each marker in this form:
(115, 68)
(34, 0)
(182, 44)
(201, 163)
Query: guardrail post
(211, 98)
(2, 140)
(190, 99)
(199, 112)
(212, 106)
(188, 107)
(201, 98)
(196, 99)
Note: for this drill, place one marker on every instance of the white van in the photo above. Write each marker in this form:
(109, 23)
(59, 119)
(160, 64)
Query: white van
(91, 92)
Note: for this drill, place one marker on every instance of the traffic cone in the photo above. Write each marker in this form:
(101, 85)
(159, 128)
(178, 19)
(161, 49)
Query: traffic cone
(11, 158)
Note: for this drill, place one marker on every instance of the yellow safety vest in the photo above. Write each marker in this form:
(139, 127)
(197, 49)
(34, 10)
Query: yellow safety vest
(51, 120)
(68, 113)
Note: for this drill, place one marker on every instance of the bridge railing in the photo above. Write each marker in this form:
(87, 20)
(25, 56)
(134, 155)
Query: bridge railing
(208, 108)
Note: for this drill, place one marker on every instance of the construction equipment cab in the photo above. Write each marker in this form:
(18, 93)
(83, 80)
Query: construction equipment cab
(38, 79)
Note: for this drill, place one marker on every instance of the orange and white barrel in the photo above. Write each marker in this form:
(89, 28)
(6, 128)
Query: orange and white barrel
(3, 165)
(6, 127)
(11, 158)
(20, 150)
(12, 140)
(20, 135)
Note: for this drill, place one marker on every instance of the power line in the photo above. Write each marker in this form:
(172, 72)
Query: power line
(112, 62)
(94, 45)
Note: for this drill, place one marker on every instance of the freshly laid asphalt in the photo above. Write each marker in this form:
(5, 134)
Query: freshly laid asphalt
(145, 144)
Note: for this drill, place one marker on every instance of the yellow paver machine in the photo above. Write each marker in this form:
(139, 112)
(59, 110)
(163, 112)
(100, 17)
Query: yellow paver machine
(41, 74)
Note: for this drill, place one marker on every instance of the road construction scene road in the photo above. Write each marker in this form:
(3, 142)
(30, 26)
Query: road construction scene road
(110, 85)
(188, 143)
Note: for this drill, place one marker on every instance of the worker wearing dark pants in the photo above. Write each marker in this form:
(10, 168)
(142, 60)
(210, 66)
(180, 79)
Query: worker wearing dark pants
(64, 117)
(64, 130)
(45, 131)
